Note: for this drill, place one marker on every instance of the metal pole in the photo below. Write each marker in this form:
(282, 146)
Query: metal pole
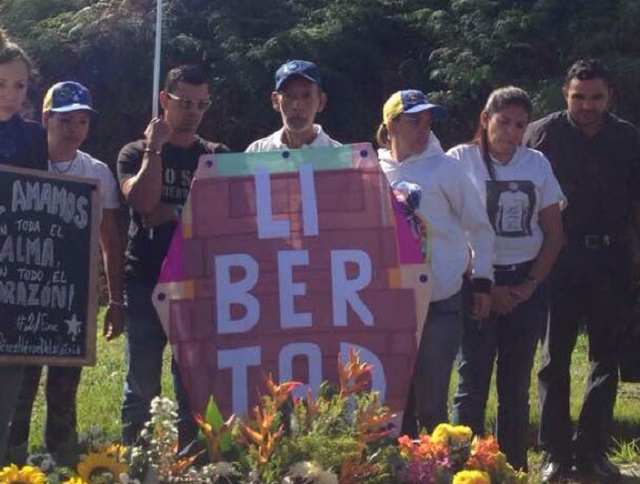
(156, 60)
(156, 69)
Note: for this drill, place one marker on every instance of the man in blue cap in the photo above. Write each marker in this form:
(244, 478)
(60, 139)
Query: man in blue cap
(298, 97)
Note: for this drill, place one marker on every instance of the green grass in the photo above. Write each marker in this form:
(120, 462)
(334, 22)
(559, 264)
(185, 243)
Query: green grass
(100, 397)
(100, 391)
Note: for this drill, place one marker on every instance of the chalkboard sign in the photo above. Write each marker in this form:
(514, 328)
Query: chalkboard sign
(48, 268)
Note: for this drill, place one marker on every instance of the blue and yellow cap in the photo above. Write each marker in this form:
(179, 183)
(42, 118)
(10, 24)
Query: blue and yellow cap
(67, 96)
(411, 101)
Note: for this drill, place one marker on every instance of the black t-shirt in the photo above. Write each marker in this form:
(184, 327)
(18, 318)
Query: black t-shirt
(23, 143)
(600, 175)
(146, 249)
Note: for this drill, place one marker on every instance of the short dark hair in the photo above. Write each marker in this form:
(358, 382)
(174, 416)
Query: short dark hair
(188, 73)
(11, 52)
(586, 70)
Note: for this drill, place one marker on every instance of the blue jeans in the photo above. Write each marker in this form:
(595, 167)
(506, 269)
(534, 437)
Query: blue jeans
(146, 341)
(429, 391)
(512, 339)
(11, 378)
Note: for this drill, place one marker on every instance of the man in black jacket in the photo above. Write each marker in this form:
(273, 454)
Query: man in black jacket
(596, 158)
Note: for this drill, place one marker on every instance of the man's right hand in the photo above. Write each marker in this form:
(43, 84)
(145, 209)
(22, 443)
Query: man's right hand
(157, 134)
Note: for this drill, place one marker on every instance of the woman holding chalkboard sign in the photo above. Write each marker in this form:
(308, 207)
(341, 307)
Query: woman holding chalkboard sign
(67, 113)
(22, 143)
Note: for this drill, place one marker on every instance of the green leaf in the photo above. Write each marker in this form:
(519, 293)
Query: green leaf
(214, 417)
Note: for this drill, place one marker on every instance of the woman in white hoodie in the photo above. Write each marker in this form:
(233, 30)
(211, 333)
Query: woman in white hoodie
(458, 227)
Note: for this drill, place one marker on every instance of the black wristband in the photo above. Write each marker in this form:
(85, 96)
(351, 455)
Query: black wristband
(482, 285)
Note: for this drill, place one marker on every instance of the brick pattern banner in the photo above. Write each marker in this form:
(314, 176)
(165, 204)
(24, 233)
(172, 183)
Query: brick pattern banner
(282, 262)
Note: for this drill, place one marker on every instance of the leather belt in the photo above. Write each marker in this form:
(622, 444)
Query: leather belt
(520, 266)
(599, 241)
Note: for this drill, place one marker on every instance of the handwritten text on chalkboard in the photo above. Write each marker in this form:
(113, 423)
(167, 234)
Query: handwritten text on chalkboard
(47, 266)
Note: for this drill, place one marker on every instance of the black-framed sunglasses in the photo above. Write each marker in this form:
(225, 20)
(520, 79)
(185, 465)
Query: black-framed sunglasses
(184, 103)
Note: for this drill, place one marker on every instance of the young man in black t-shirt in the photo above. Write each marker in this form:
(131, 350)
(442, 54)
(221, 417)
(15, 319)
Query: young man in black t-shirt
(155, 175)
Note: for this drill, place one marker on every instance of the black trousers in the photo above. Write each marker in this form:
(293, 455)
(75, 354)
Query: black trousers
(591, 289)
(61, 389)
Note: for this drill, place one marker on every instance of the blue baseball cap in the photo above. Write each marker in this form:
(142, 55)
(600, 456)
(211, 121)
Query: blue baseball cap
(301, 68)
(67, 96)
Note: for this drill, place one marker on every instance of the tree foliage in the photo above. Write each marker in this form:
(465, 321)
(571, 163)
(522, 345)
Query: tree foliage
(459, 50)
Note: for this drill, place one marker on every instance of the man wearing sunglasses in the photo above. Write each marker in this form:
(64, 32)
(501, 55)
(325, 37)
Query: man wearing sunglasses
(155, 175)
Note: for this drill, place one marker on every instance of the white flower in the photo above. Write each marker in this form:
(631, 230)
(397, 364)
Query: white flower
(305, 470)
(43, 460)
(53, 478)
(163, 407)
(126, 479)
(312, 472)
(223, 469)
(327, 477)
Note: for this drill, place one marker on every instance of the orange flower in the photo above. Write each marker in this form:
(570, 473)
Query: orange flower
(484, 453)
(354, 471)
(214, 436)
(279, 393)
(260, 433)
(312, 406)
(370, 420)
(355, 375)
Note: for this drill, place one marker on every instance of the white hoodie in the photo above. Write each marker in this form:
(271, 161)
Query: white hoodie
(454, 212)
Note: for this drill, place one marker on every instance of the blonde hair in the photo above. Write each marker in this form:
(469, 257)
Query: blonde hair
(382, 136)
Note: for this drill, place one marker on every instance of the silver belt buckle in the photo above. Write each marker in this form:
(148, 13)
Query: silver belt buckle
(594, 241)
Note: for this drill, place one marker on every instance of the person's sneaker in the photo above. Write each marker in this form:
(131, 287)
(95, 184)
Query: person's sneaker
(554, 470)
(599, 467)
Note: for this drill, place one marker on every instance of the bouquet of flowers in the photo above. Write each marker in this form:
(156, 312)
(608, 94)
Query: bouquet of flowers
(344, 435)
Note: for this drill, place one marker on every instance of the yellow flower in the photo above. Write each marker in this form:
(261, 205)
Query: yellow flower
(116, 450)
(471, 477)
(449, 435)
(26, 475)
(442, 433)
(96, 464)
(461, 434)
(74, 480)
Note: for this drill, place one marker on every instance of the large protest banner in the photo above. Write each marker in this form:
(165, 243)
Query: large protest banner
(48, 268)
(282, 262)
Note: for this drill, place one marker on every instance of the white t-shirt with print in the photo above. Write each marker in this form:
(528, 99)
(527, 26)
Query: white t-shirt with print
(522, 187)
(274, 142)
(86, 166)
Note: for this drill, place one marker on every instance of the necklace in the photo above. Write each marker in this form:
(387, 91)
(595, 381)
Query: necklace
(55, 169)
